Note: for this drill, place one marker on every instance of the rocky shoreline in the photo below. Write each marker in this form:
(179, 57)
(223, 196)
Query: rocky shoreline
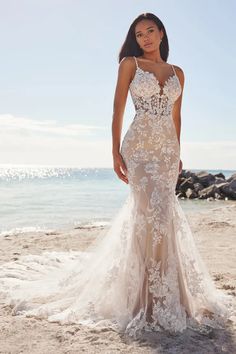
(204, 185)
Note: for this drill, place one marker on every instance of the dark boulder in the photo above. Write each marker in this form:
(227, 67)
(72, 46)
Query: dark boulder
(229, 189)
(204, 185)
(197, 187)
(219, 180)
(220, 175)
(205, 178)
(191, 194)
(209, 192)
(186, 184)
(231, 178)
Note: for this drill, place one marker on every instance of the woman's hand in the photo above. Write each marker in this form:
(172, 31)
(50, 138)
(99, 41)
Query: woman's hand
(180, 166)
(119, 167)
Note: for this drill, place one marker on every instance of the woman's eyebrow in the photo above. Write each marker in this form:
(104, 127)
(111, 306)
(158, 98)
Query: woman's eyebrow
(146, 28)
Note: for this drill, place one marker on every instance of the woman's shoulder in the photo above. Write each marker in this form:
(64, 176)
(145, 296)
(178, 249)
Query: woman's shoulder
(178, 68)
(127, 60)
(179, 72)
(127, 64)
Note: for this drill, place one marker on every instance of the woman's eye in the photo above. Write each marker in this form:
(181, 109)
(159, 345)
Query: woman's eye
(139, 35)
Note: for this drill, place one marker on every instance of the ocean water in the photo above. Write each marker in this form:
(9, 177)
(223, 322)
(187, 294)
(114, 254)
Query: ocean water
(47, 198)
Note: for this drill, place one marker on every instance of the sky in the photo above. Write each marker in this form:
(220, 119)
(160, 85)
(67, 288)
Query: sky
(59, 66)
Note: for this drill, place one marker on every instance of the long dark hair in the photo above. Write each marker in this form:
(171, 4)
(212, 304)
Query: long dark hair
(130, 46)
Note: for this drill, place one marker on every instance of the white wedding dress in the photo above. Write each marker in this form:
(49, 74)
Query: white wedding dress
(144, 273)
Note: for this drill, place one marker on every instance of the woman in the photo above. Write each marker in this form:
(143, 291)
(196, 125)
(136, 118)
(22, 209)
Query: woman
(174, 287)
(144, 273)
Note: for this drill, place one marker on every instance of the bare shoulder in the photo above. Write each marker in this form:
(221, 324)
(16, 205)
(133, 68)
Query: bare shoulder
(178, 68)
(127, 60)
(127, 63)
(126, 70)
(179, 71)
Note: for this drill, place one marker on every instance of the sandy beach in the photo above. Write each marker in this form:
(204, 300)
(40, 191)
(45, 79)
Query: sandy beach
(215, 235)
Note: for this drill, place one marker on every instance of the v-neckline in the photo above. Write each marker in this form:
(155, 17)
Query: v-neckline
(153, 74)
(161, 87)
(159, 84)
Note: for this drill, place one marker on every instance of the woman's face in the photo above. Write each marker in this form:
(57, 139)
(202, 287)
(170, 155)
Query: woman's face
(148, 35)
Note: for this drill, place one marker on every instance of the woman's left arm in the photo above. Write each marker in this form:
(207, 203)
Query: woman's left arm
(176, 113)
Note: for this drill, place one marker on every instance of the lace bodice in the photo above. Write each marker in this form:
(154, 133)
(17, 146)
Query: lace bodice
(148, 95)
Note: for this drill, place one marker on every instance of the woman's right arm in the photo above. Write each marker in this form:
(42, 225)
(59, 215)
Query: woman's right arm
(121, 92)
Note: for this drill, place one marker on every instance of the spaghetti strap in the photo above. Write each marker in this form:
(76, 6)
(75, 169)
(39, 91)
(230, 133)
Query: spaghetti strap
(136, 62)
(173, 69)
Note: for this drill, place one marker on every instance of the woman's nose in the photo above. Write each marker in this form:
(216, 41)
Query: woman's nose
(146, 36)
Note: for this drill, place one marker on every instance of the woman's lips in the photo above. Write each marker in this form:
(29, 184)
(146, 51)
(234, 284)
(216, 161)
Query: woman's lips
(147, 45)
